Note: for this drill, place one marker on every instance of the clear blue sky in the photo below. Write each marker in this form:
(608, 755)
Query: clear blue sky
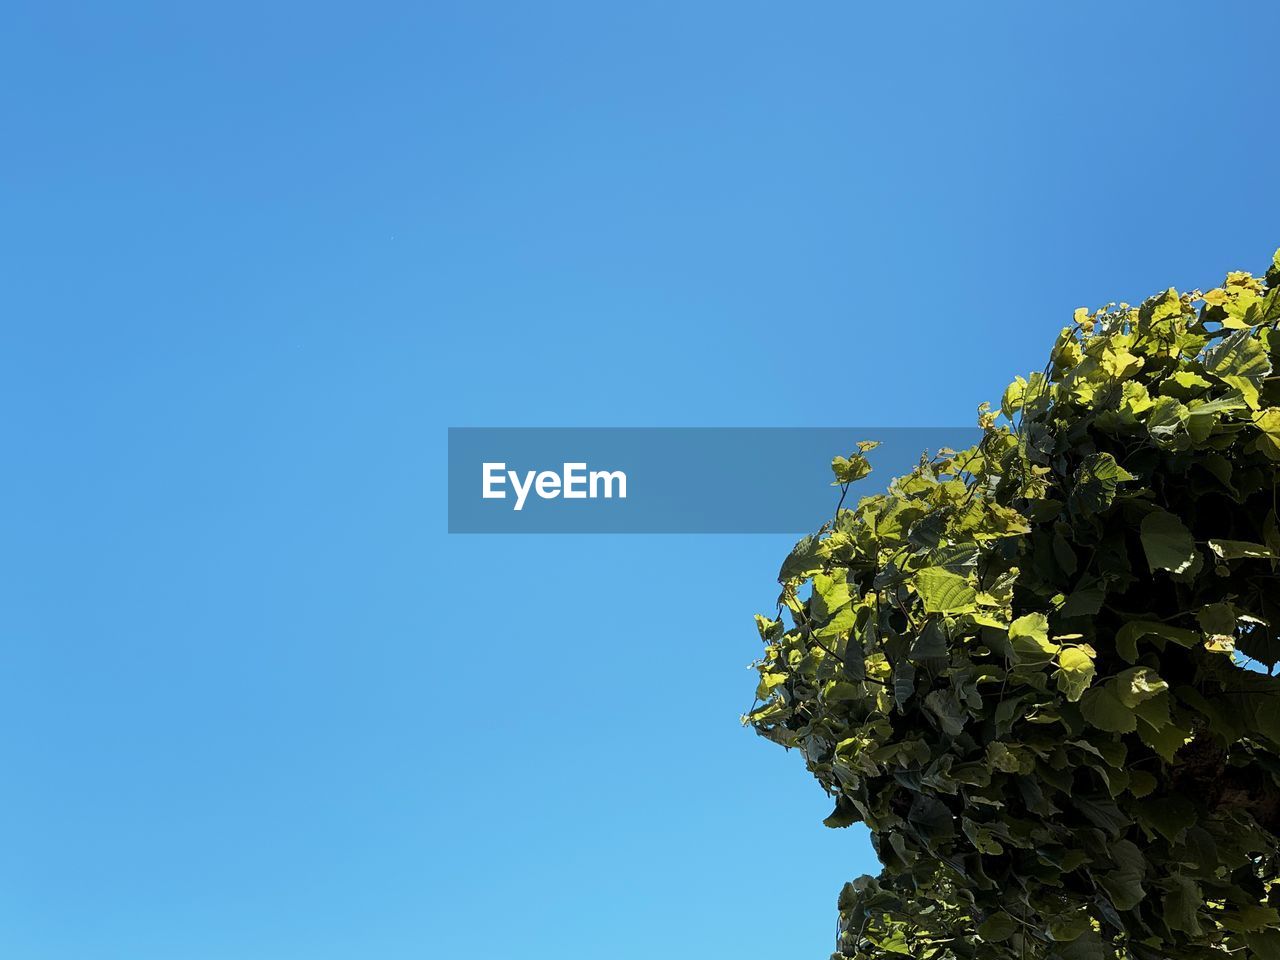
(255, 258)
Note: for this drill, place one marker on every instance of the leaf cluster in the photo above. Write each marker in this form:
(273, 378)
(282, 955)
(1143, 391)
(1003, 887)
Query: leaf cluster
(1039, 670)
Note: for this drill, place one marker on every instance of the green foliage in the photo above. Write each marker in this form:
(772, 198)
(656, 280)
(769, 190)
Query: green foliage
(1038, 669)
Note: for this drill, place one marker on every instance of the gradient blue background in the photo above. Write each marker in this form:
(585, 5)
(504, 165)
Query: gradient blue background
(254, 259)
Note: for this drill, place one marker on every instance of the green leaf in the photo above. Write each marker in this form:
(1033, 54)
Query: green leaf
(830, 593)
(845, 814)
(1250, 917)
(1085, 600)
(932, 641)
(1075, 672)
(931, 817)
(849, 469)
(1268, 422)
(1240, 354)
(1096, 482)
(1166, 740)
(1166, 418)
(1217, 618)
(1141, 783)
(1066, 929)
(1127, 637)
(1029, 637)
(1103, 708)
(1170, 816)
(1124, 883)
(803, 561)
(855, 664)
(1239, 549)
(904, 682)
(1167, 542)
(1103, 812)
(1264, 944)
(951, 716)
(997, 927)
(942, 591)
(769, 628)
(1137, 684)
(1182, 904)
(1088, 946)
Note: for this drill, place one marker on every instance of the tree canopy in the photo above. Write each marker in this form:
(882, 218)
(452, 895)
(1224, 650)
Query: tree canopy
(1039, 670)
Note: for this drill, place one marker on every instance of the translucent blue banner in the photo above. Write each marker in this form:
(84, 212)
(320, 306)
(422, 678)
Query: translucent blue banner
(668, 479)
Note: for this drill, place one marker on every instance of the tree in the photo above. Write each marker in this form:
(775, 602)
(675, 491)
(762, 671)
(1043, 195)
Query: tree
(1039, 670)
